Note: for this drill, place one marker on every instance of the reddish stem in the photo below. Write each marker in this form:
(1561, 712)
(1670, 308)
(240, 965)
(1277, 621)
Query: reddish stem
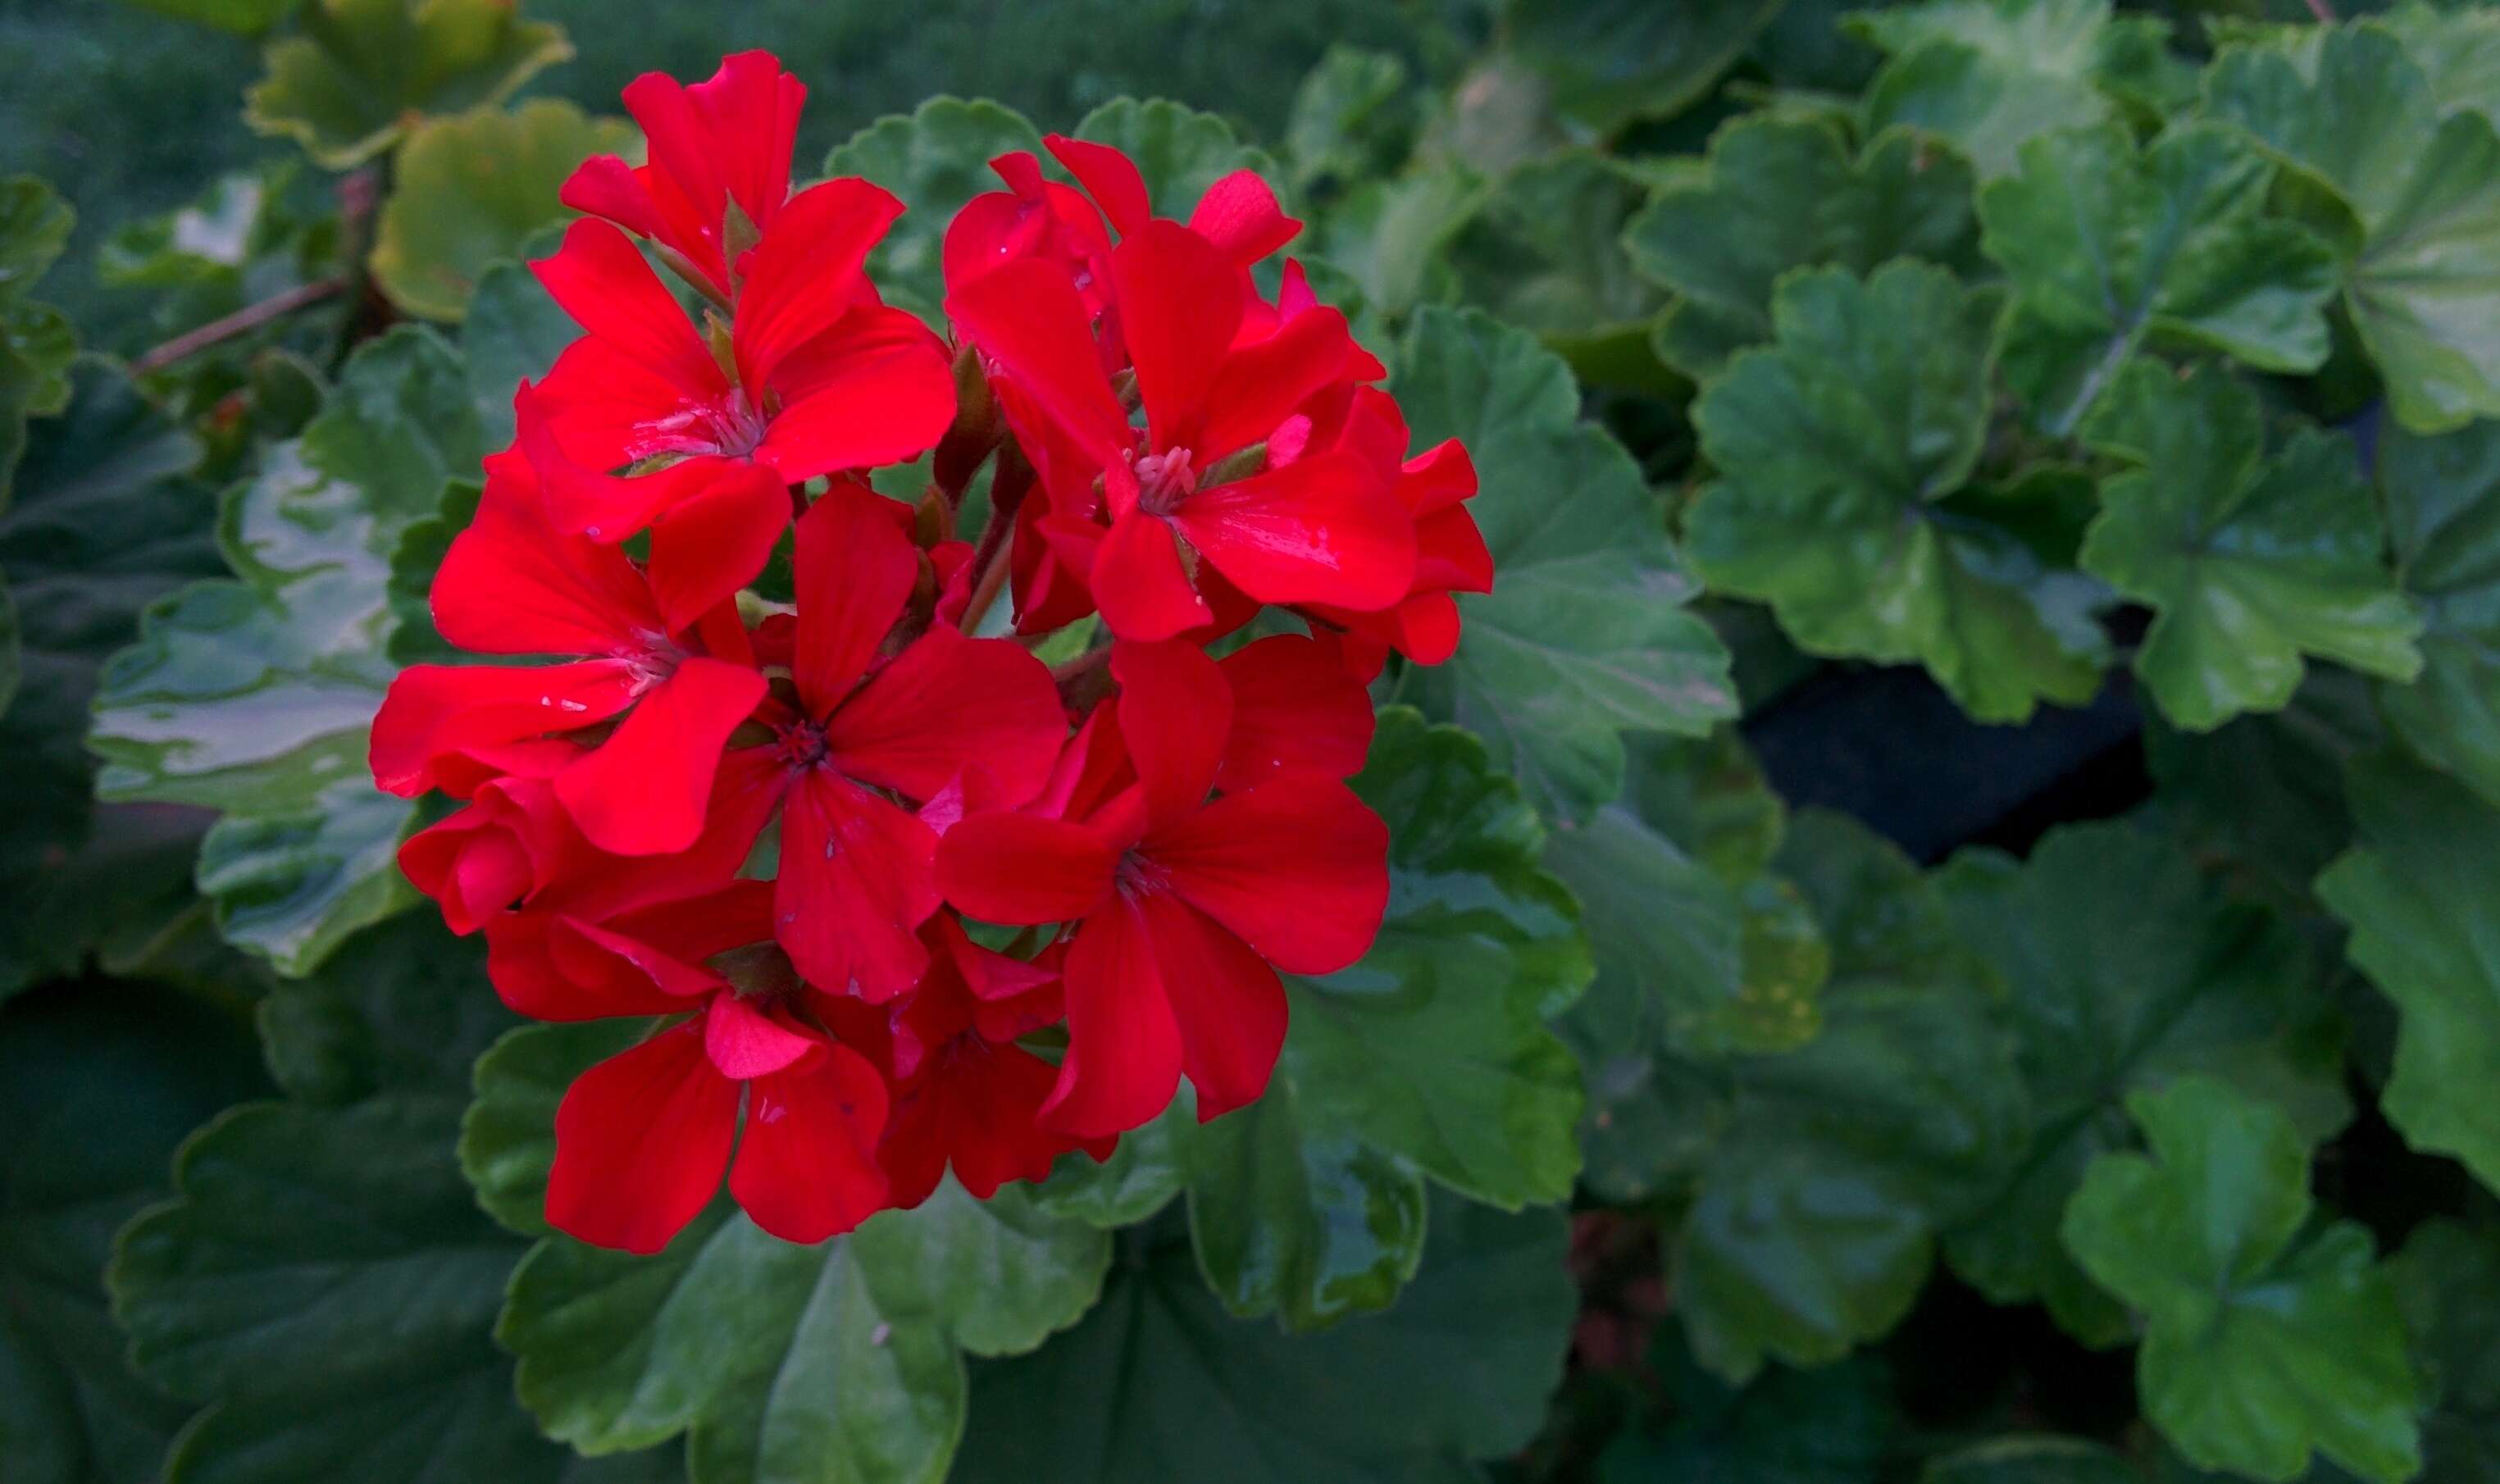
(242, 321)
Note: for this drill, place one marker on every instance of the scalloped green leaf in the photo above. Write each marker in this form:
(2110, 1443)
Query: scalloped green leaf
(934, 158)
(1990, 75)
(2442, 497)
(2410, 890)
(1782, 193)
(97, 1086)
(1351, 119)
(1156, 1384)
(108, 519)
(2111, 248)
(2268, 1336)
(362, 72)
(513, 332)
(2447, 1281)
(1612, 63)
(2419, 212)
(2125, 969)
(1544, 250)
(36, 340)
(1586, 635)
(1179, 150)
(468, 191)
(2249, 561)
(1838, 449)
(253, 696)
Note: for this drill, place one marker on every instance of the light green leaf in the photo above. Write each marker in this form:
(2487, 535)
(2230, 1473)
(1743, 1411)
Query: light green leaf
(934, 159)
(248, 18)
(1585, 635)
(1611, 63)
(1829, 1426)
(1784, 193)
(2420, 208)
(2249, 562)
(34, 227)
(469, 190)
(1392, 237)
(2109, 247)
(36, 341)
(1990, 75)
(1158, 1385)
(2126, 970)
(97, 1086)
(514, 332)
(2442, 497)
(2267, 1335)
(364, 71)
(1179, 150)
(108, 519)
(1838, 449)
(253, 696)
(2412, 891)
(2458, 48)
(1349, 120)
(1545, 252)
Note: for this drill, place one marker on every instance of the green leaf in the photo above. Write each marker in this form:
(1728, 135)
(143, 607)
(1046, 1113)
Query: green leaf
(1829, 1426)
(2249, 562)
(1990, 75)
(1545, 251)
(2420, 207)
(253, 696)
(1830, 1169)
(2447, 1281)
(2032, 1460)
(1392, 237)
(934, 159)
(2109, 247)
(2412, 892)
(1611, 63)
(2458, 49)
(2267, 1335)
(513, 332)
(250, 236)
(1349, 121)
(364, 71)
(34, 227)
(98, 1083)
(36, 341)
(1156, 1384)
(2442, 497)
(248, 18)
(2126, 971)
(108, 519)
(1838, 448)
(1179, 150)
(1586, 635)
(469, 190)
(1784, 193)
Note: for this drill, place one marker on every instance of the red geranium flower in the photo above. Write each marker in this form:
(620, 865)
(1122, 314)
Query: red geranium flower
(1185, 908)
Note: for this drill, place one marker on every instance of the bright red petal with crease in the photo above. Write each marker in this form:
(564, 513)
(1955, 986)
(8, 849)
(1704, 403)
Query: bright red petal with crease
(434, 712)
(1109, 177)
(1180, 307)
(743, 1041)
(1228, 1003)
(1140, 583)
(602, 282)
(751, 107)
(805, 274)
(857, 881)
(540, 970)
(627, 964)
(1319, 530)
(1124, 1048)
(708, 547)
(806, 1168)
(1175, 712)
(1298, 868)
(512, 584)
(1024, 869)
(987, 1114)
(1450, 554)
(877, 391)
(1027, 317)
(605, 507)
(1239, 214)
(680, 144)
(643, 791)
(603, 404)
(1427, 627)
(641, 1142)
(854, 572)
(945, 701)
(1265, 381)
(1439, 477)
(1294, 709)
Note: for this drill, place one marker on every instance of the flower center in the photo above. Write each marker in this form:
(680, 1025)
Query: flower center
(1163, 480)
(802, 744)
(730, 428)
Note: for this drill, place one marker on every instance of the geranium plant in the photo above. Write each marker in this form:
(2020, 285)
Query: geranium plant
(1749, 741)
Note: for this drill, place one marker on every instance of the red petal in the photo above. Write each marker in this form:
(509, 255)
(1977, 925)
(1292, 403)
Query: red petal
(1319, 530)
(1228, 1003)
(877, 389)
(1294, 709)
(1427, 627)
(1025, 869)
(603, 404)
(1028, 319)
(1450, 553)
(945, 702)
(1175, 712)
(641, 1142)
(605, 286)
(1109, 177)
(512, 584)
(806, 1168)
(857, 880)
(1138, 580)
(750, 108)
(743, 1041)
(626, 968)
(1265, 381)
(708, 546)
(989, 975)
(854, 572)
(433, 714)
(643, 791)
(1239, 214)
(1124, 1048)
(1179, 309)
(1298, 868)
(805, 274)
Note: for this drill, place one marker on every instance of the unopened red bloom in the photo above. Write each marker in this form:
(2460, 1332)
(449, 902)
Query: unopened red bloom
(1186, 908)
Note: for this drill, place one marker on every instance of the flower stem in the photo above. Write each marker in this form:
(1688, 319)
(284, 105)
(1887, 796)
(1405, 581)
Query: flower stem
(990, 566)
(250, 316)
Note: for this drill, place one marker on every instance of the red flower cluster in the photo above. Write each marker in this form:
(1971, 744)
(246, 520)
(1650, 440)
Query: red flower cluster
(795, 830)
